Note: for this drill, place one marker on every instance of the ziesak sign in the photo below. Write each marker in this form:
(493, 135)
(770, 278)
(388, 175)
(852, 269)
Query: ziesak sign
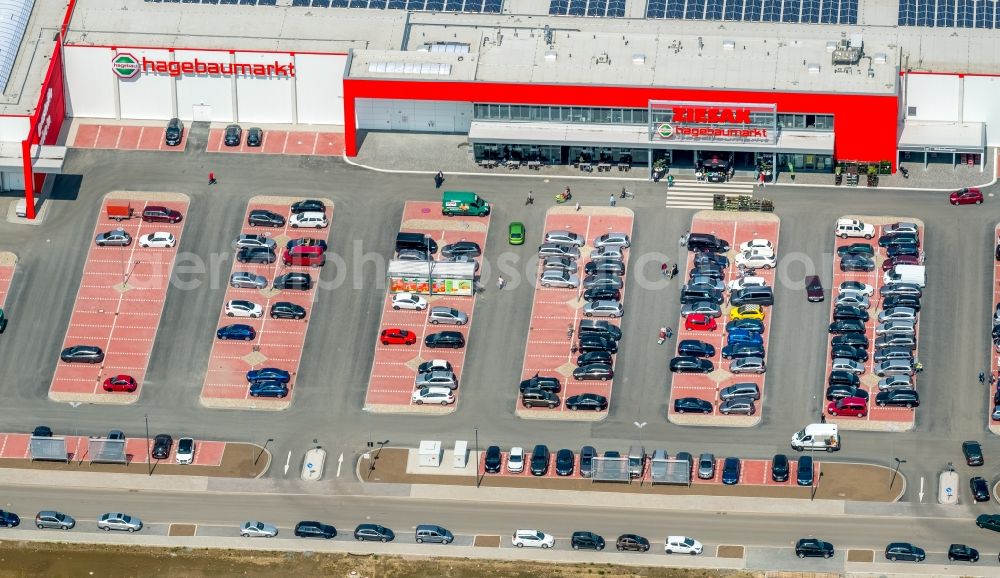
(126, 65)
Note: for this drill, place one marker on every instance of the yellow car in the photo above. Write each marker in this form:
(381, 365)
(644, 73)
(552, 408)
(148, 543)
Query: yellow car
(746, 312)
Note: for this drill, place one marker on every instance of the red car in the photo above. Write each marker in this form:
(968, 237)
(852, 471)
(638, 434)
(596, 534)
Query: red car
(900, 260)
(398, 337)
(699, 322)
(848, 406)
(120, 383)
(967, 197)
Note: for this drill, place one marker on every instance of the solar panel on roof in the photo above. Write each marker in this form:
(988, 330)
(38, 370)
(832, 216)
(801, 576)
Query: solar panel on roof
(771, 11)
(492, 6)
(656, 8)
(734, 10)
(810, 11)
(925, 13)
(435, 5)
(597, 8)
(473, 6)
(694, 10)
(248, 2)
(209, 1)
(339, 3)
(752, 10)
(379, 4)
(415, 4)
(577, 7)
(985, 14)
(675, 9)
(616, 8)
(791, 11)
(965, 13)
(713, 9)
(849, 11)
(227, 1)
(945, 13)
(267, 2)
(450, 6)
(558, 7)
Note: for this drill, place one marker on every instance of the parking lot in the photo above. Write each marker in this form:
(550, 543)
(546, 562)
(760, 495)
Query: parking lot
(119, 301)
(991, 407)
(16, 446)
(394, 368)
(8, 264)
(278, 342)
(736, 229)
(281, 142)
(885, 418)
(125, 137)
(556, 312)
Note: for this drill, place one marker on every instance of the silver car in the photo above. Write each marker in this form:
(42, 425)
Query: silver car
(559, 278)
(895, 382)
(901, 289)
(603, 280)
(254, 240)
(702, 282)
(255, 529)
(437, 378)
(750, 390)
(702, 307)
(119, 521)
(844, 364)
(854, 300)
(894, 367)
(738, 405)
(609, 252)
(412, 255)
(611, 309)
(616, 239)
(747, 365)
(706, 466)
(53, 519)
(560, 264)
(895, 340)
(462, 258)
(116, 238)
(900, 227)
(883, 353)
(247, 280)
(565, 238)
(447, 316)
(558, 250)
(896, 327)
(898, 314)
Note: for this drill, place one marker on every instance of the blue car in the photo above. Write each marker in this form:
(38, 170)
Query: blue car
(236, 331)
(9, 519)
(742, 349)
(804, 476)
(731, 471)
(751, 325)
(268, 374)
(268, 389)
(744, 337)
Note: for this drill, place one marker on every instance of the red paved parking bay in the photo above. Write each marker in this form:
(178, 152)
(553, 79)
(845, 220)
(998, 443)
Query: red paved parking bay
(391, 385)
(119, 302)
(555, 311)
(278, 342)
(992, 408)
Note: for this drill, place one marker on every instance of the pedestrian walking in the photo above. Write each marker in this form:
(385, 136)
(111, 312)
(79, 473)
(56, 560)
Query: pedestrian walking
(578, 206)
(673, 271)
(684, 239)
(663, 269)
(822, 418)
(992, 379)
(501, 283)
(438, 180)
(982, 378)
(530, 200)
(761, 179)
(611, 200)
(211, 178)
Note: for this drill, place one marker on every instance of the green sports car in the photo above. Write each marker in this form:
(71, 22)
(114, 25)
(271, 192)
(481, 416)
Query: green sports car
(515, 233)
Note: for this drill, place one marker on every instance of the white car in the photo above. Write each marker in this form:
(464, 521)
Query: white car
(565, 238)
(743, 282)
(849, 365)
(185, 451)
(682, 545)
(255, 529)
(441, 395)
(557, 278)
(610, 309)
(757, 245)
(857, 287)
(854, 228)
(617, 239)
(532, 539)
(309, 219)
(515, 460)
(243, 308)
(755, 260)
(119, 521)
(158, 240)
(408, 301)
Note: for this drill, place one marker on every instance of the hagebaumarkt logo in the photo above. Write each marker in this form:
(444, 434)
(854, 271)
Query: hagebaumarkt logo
(125, 65)
(665, 130)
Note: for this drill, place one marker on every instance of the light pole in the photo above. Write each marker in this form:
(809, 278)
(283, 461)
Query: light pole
(478, 479)
(371, 461)
(895, 471)
(815, 487)
(149, 462)
(430, 266)
(269, 440)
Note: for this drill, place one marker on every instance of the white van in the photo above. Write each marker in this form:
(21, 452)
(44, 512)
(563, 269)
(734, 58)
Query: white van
(906, 274)
(817, 436)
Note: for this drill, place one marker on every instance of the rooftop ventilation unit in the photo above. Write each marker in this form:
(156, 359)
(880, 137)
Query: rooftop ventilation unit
(550, 55)
(846, 53)
(639, 58)
(437, 68)
(880, 58)
(831, 46)
(445, 47)
(729, 45)
(813, 68)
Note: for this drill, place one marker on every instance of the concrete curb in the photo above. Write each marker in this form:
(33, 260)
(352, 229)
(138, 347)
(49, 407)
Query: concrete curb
(8, 259)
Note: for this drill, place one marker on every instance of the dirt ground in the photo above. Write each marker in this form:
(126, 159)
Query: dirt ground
(856, 482)
(237, 462)
(19, 559)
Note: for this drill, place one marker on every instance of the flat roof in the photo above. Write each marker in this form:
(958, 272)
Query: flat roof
(942, 135)
(20, 97)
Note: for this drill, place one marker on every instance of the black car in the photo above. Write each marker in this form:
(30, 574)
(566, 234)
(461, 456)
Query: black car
(731, 471)
(687, 364)
(293, 280)
(842, 312)
(695, 348)
(536, 397)
(980, 489)
(593, 357)
(174, 132)
(596, 343)
(373, 532)
(543, 382)
(310, 206)
(779, 468)
(310, 529)
(42, 431)
(265, 218)
(813, 547)
(973, 453)
(741, 349)
(255, 136)
(494, 459)
(161, 446)
(962, 553)
(755, 325)
(856, 249)
(848, 352)
(9, 519)
(462, 248)
(261, 255)
(593, 371)
(587, 455)
(840, 377)
(898, 239)
(233, 135)
(587, 401)
(907, 398)
(82, 354)
(847, 326)
(699, 294)
(632, 542)
(904, 551)
(602, 294)
(586, 541)
(452, 339)
(911, 301)
(287, 310)
(988, 522)
(707, 271)
(540, 460)
(709, 259)
(851, 340)
(594, 267)
(840, 391)
(856, 263)
(804, 471)
(565, 462)
(692, 405)
(902, 250)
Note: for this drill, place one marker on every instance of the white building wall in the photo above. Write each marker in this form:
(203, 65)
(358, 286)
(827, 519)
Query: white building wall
(12, 181)
(90, 83)
(319, 88)
(147, 95)
(264, 99)
(980, 105)
(406, 115)
(935, 97)
(14, 128)
(213, 90)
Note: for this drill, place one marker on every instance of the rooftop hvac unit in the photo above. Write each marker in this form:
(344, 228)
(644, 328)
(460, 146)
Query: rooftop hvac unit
(813, 67)
(729, 45)
(831, 46)
(880, 58)
(639, 58)
(846, 53)
(550, 55)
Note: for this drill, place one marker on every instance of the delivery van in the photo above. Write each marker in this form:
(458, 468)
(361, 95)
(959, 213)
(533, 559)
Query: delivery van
(906, 274)
(463, 203)
(817, 436)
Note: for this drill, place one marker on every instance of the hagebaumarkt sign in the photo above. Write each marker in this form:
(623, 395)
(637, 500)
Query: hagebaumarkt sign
(694, 122)
(126, 65)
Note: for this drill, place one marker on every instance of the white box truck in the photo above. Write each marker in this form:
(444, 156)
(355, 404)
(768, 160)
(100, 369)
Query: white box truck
(817, 436)
(906, 274)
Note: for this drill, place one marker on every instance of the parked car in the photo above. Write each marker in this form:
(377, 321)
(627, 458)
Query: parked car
(692, 405)
(686, 364)
(410, 301)
(373, 532)
(593, 371)
(844, 364)
(904, 551)
(699, 322)
(731, 471)
(849, 263)
(850, 340)
(565, 462)
(813, 548)
(587, 455)
(9, 519)
(706, 466)
(841, 312)
(745, 389)
(968, 196)
(119, 521)
(462, 248)
(804, 471)
(973, 453)
(602, 293)
(856, 249)
(243, 308)
(287, 310)
(597, 343)
(515, 460)
(586, 541)
(558, 250)
(52, 519)
(841, 391)
(544, 382)
(162, 444)
(308, 220)
(532, 539)
(884, 353)
(847, 326)
(743, 282)
(233, 135)
(701, 307)
(742, 349)
(447, 315)
(751, 325)
(120, 382)
(632, 542)
(695, 348)
(603, 280)
(310, 206)
(174, 132)
(779, 468)
(605, 266)
(756, 260)
(980, 489)
(559, 263)
(258, 529)
(310, 528)
(854, 300)
(268, 389)
(247, 280)
(857, 287)
(587, 401)
(962, 553)
(515, 233)
(160, 214)
(682, 545)
(185, 451)
(738, 405)
(157, 240)
(565, 238)
(895, 382)
(237, 331)
(612, 309)
(256, 255)
(536, 397)
(907, 398)
(268, 373)
(540, 458)
(848, 352)
(442, 395)
(254, 240)
(450, 339)
(854, 228)
(988, 522)
(894, 301)
(747, 365)
(747, 312)
(849, 407)
(615, 239)
(116, 238)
